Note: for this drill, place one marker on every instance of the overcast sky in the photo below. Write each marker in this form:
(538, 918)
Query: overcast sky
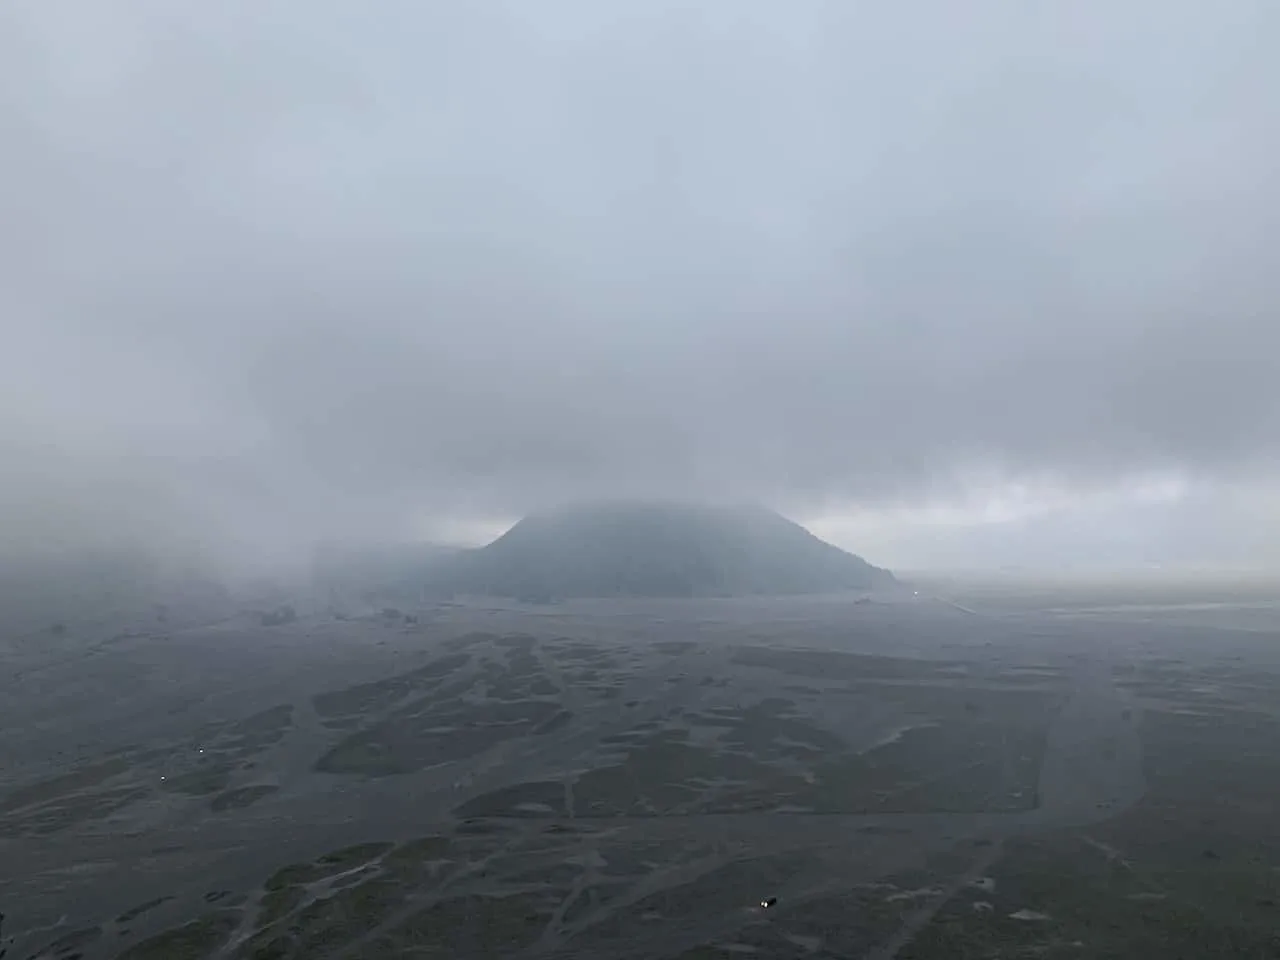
(949, 281)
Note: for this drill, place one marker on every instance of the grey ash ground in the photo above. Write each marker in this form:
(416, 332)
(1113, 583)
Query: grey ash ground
(630, 780)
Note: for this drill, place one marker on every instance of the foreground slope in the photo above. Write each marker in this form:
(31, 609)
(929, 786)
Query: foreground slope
(659, 550)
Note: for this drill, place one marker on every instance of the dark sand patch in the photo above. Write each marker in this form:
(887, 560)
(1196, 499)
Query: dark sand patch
(583, 653)
(768, 756)
(134, 912)
(542, 687)
(523, 664)
(70, 811)
(210, 778)
(560, 719)
(192, 941)
(239, 740)
(539, 799)
(241, 797)
(418, 851)
(471, 926)
(771, 730)
(318, 927)
(1189, 871)
(269, 721)
(332, 863)
(411, 741)
(69, 946)
(725, 889)
(476, 638)
(673, 648)
(480, 827)
(832, 665)
(377, 695)
(279, 903)
(516, 641)
(1055, 891)
(930, 770)
(593, 898)
(663, 776)
(54, 788)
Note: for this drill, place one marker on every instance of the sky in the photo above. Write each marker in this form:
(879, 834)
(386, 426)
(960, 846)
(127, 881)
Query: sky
(952, 283)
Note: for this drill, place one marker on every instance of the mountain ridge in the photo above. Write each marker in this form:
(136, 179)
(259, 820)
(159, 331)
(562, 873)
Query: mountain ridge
(658, 549)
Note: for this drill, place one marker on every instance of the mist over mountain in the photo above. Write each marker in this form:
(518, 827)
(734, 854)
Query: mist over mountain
(658, 549)
(378, 572)
(105, 590)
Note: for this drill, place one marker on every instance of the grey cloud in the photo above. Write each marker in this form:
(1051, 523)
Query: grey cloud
(307, 268)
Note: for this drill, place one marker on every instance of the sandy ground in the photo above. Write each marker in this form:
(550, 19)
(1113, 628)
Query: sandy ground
(579, 780)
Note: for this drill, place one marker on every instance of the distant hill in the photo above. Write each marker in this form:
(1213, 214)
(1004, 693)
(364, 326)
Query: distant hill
(378, 572)
(657, 550)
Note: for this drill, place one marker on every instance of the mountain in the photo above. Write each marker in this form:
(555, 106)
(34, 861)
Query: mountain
(647, 549)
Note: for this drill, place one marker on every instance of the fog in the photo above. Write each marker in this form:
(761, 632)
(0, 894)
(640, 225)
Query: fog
(955, 284)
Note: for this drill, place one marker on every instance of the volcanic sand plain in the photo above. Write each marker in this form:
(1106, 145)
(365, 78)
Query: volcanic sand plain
(988, 776)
